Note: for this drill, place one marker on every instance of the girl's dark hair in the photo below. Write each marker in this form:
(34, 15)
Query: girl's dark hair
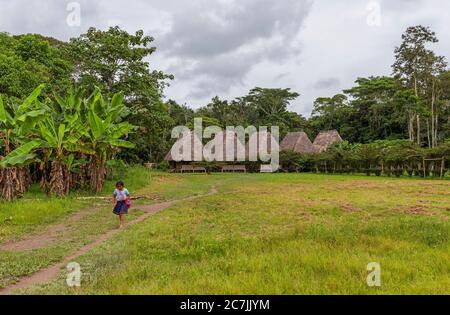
(119, 183)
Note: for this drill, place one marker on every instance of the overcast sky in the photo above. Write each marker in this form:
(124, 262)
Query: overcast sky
(227, 47)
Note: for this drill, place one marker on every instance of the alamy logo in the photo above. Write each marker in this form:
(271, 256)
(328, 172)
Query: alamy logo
(74, 17)
(374, 277)
(374, 17)
(74, 275)
(229, 145)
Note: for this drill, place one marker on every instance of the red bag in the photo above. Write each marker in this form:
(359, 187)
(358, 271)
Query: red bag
(127, 201)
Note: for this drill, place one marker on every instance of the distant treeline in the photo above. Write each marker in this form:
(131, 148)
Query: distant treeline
(413, 104)
(389, 157)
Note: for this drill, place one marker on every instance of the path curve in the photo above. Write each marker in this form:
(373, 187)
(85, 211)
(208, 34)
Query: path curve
(51, 272)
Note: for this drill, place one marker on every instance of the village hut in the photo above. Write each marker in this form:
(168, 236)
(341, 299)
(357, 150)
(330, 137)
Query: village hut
(271, 145)
(231, 150)
(195, 142)
(325, 139)
(297, 142)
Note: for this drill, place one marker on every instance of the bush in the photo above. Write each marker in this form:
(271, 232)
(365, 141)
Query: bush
(163, 166)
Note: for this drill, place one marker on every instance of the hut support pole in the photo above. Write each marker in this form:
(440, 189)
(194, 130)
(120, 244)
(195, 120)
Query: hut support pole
(424, 169)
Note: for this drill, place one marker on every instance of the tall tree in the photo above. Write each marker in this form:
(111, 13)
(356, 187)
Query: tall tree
(27, 61)
(414, 65)
(271, 107)
(114, 61)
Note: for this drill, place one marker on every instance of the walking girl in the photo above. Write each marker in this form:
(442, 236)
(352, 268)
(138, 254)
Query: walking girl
(122, 202)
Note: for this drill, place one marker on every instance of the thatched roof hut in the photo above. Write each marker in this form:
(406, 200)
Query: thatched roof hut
(195, 140)
(297, 142)
(325, 139)
(232, 146)
(228, 150)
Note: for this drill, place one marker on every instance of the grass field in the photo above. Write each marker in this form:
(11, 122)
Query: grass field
(259, 234)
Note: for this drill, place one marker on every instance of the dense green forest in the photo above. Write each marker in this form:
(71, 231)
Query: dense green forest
(411, 104)
(66, 106)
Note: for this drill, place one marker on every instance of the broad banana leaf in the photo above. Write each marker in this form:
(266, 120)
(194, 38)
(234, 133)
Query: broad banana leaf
(30, 99)
(61, 133)
(33, 113)
(60, 102)
(29, 124)
(71, 118)
(21, 155)
(115, 107)
(48, 135)
(121, 144)
(122, 129)
(96, 125)
(2, 111)
(95, 102)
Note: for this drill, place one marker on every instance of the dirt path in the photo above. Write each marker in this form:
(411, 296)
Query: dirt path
(52, 272)
(50, 235)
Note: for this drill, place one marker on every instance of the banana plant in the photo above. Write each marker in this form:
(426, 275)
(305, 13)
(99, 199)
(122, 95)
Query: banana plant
(105, 134)
(17, 125)
(59, 137)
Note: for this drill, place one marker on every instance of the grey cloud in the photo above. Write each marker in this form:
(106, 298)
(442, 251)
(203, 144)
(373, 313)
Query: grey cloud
(221, 27)
(281, 76)
(329, 83)
(222, 41)
(226, 47)
(400, 5)
(47, 17)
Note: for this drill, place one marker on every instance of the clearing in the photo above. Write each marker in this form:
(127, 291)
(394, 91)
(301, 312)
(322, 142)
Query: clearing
(234, 234)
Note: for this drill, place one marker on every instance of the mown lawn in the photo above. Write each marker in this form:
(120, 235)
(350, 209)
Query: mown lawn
(273, 234)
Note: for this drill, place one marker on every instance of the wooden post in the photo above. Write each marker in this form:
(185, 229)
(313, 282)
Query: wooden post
(424, 169)
(442, 167)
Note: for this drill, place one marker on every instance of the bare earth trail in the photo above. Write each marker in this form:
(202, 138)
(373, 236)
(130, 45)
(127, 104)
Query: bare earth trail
(50, 235)
(50, 273)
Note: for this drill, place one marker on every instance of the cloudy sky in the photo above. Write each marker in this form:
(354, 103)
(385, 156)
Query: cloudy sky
(227, 47)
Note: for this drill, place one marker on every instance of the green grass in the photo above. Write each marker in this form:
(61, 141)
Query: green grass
(35, 213)
(276, 234)
(35, 210)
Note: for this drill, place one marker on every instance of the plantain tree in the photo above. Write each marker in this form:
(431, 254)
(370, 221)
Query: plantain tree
(17, 126)
(60, 135)
(59, 139)
(105, 133)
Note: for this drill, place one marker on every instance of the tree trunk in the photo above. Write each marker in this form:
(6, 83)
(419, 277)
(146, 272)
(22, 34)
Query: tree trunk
(57, 179)
(83, 173)
(24, 177)
(433, 127)
(10, 183)
(97, 174)
(419, 138)
(411, 130)
(436, 128)
(44, 181)
(68, 184)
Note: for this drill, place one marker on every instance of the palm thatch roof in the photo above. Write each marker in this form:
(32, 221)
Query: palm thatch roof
(231, 144)
(297, 142)
(325, 139)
